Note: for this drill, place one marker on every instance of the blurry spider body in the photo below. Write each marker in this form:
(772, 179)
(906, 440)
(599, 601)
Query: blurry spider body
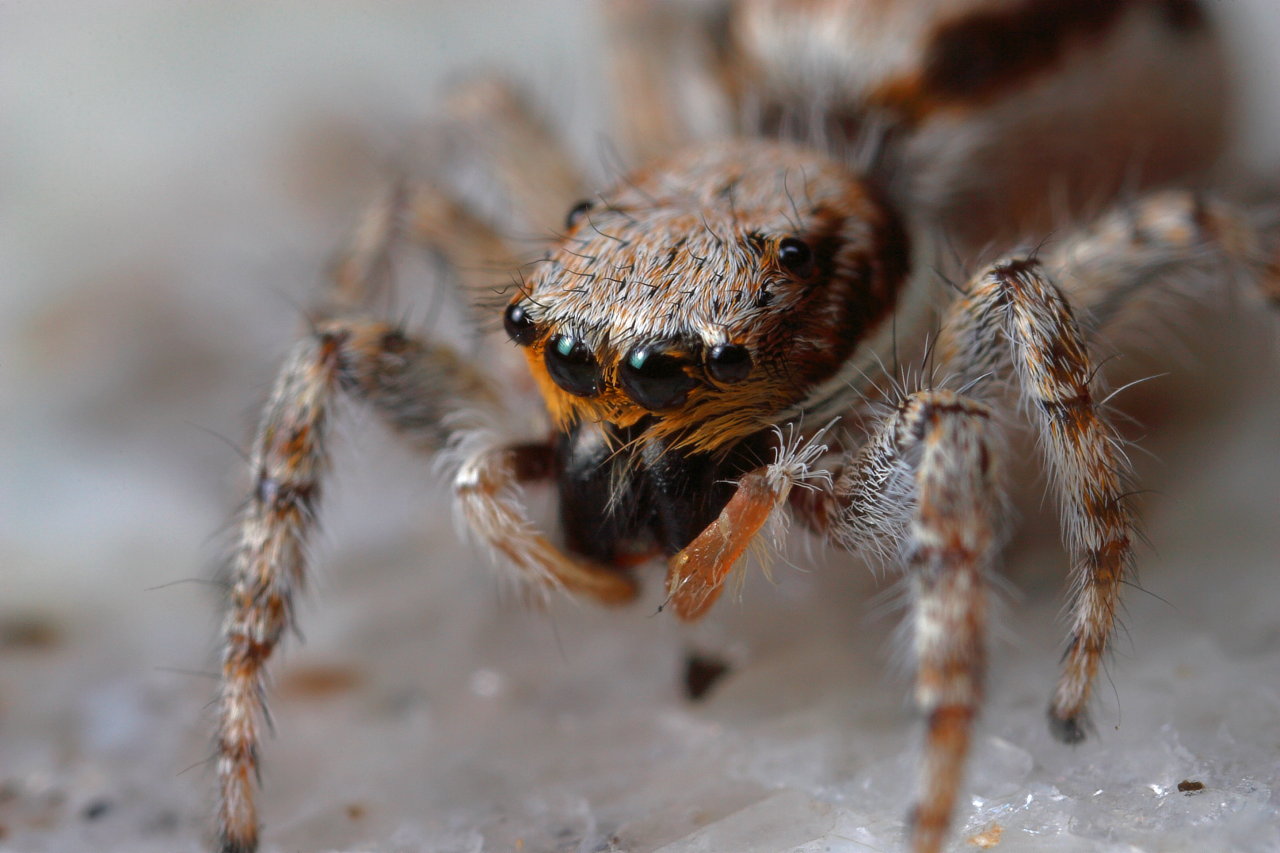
(709, 337)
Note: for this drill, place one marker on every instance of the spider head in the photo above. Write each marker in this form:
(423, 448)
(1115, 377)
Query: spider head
(709, 294)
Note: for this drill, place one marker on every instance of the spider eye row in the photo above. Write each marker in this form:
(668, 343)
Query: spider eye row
(656, 375)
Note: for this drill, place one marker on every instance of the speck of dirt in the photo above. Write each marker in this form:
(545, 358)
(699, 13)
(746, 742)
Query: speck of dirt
(1190, 786)
(96, 809)
(701, 673)
(29, 632)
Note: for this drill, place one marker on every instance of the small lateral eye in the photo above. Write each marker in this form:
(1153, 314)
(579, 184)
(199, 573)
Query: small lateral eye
(795, 256)
(572, 365)
(577, 212)
(519, 325)
(729, 362)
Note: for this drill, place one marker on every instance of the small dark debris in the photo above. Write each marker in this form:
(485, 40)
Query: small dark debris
(701, 673)
(96, 809)
(356, 811)
(318, 681)
(29, 631)
(1190, 786)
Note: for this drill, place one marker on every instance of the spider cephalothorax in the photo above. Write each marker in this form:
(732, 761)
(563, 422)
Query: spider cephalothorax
(686, 297)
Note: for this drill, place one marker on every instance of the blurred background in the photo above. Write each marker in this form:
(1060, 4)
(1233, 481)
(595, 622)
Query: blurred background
(173, 179)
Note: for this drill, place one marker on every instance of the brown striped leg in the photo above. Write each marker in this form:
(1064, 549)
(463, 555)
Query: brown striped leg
(415, 388)
(481, 260)
(935, 448)
(424, 215)
(360, 274)
(949, 549)
(529, 160)
(481, 257)
(1173, 240)
(645, 109)
(1014, 310)
(493, 126)
(925, 484)
(666, 91)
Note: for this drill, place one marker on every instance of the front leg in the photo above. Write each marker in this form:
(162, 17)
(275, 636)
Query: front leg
(923, 492)
(432, 398)
(417, 388)
(948, 551)
(1013, 311)
(924, 483)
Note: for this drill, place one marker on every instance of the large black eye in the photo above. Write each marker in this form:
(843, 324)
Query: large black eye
(655, 380)
(729, 363)
(519, 325)
(795, 255)
(572, 365)
(577, 212)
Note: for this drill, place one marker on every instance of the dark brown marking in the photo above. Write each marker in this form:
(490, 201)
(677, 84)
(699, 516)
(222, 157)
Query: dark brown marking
(1074, 410)
(1183, 16)
(533, 462)
(29, 631)
(867, 296)
(981, 56)
(988, 52)
(395, 342)
(1190, 786)
(1103, 562)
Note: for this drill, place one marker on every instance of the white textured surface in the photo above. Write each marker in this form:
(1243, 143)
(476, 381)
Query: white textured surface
(165, 205)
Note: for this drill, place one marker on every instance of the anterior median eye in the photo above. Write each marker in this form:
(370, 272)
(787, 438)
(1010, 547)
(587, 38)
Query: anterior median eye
(654, 379)
(572, 365)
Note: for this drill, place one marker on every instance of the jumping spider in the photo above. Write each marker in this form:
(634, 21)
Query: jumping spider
(709, 336)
